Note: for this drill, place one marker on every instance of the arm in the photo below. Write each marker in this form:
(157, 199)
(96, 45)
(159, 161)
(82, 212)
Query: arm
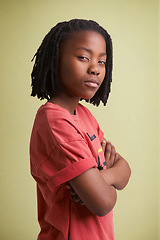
(118, 175)
(118, 171)
(94, 192)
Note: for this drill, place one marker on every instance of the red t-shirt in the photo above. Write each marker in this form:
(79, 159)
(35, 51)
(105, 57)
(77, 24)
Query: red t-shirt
(62, 147)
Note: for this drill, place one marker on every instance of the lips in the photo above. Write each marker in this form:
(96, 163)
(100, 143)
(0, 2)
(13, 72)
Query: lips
(92, 83)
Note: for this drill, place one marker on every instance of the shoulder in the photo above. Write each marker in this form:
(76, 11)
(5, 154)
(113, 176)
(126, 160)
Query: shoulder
(52, 114)
(82, 110)
(58, 122)
(52, 111)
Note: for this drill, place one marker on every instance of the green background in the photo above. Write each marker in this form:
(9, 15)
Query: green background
(130, 119)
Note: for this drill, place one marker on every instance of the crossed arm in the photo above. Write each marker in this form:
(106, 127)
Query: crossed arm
(118, 171)
(97, 189)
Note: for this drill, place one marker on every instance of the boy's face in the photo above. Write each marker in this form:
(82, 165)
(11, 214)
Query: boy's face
(82, 64)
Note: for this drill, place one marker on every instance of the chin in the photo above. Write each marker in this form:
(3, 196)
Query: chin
(88, 96)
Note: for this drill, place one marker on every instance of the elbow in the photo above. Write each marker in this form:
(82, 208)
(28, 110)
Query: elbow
(105, 211)
(108, 205)
(129, 173)
(125, 181)
(128, 176)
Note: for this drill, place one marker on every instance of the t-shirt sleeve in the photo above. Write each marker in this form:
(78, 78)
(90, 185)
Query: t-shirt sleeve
(70, 156)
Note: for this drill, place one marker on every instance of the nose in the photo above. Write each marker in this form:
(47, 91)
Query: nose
(94, 69)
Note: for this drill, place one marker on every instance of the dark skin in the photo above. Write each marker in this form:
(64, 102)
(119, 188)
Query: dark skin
(82, 70)
(116, 174)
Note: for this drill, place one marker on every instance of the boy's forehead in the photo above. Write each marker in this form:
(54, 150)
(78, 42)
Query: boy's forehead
(85, 33)
(82, 39)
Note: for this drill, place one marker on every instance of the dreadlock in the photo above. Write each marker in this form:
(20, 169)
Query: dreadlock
(45, 77)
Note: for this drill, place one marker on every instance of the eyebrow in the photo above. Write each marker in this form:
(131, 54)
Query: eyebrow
(90, 51)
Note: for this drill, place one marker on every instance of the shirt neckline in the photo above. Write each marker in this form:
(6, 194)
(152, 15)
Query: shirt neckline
(56, 106)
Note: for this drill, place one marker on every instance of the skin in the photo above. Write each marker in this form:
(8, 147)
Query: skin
(117, 173)
(82, 62)
(82, 70)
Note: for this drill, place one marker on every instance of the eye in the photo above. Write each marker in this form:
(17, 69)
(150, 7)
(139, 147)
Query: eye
(102, 62)
(83, 58)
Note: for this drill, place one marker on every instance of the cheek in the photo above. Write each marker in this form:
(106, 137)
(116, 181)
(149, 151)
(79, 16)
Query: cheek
(65, 72)
(103, 73)
(74, 71)
(68, 67)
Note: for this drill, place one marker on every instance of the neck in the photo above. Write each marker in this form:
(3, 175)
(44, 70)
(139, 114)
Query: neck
(65, 102)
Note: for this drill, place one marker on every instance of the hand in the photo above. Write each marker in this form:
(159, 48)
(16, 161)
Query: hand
(74, 195)
(111, 156)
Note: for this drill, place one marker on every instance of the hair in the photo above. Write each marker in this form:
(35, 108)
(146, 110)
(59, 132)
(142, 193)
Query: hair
(45, 77)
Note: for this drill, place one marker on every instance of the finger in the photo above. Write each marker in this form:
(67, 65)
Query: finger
(108, 151)
(112, 156)
(103, 144)
(72, 192)
(68, 186)
(76, 198)
(80, 202)
(117, 157)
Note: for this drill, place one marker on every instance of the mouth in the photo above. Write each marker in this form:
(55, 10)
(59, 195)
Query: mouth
(91, 83)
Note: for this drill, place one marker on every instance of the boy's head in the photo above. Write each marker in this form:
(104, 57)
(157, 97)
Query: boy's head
(45, 74)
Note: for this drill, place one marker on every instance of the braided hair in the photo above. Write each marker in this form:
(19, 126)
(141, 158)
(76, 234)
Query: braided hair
(45, 77)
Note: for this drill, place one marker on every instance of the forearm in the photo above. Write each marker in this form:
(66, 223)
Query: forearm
(118, 175)
(93, 191)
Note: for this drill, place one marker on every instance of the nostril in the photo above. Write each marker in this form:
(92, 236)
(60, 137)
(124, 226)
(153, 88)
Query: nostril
(95, 73)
